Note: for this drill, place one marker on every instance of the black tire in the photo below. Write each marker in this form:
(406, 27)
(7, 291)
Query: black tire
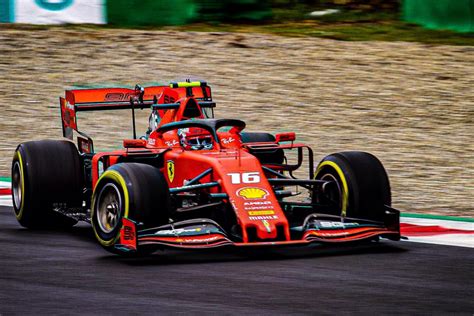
(139, 193)
(362, 187)
(275, 156)
(46, 174)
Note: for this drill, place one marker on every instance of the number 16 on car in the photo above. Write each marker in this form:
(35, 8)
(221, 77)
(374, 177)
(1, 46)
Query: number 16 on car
(246, 177)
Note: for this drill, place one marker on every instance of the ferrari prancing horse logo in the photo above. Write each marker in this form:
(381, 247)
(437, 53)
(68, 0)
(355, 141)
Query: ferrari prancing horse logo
(170, 168)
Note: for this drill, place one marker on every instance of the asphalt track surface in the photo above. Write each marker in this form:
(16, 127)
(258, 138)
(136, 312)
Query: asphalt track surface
(67, 272)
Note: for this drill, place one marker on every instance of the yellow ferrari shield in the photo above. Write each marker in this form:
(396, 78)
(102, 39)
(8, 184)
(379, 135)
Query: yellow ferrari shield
(170, 168)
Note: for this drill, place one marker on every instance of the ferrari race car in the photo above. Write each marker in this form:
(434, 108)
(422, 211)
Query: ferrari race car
(194, 181)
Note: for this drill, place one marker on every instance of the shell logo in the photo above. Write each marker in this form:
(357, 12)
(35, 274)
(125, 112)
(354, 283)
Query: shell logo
(252, 193)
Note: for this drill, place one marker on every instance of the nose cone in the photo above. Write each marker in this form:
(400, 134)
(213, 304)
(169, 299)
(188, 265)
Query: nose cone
(257, 209)
(260, 214)
(267, 228)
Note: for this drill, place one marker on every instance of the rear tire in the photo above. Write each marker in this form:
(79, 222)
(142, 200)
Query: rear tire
(135, 191)
(46, 174)
(361, 186)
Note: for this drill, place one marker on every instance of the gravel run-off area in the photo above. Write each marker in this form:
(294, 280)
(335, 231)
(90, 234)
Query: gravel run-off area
(410, 104)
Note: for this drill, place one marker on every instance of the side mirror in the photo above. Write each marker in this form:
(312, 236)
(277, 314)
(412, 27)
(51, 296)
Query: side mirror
(285, 137)
(134, 143)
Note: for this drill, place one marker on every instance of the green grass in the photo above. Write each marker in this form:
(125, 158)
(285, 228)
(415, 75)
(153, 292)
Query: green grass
(347, 25)
(440, 217)
(387, 30)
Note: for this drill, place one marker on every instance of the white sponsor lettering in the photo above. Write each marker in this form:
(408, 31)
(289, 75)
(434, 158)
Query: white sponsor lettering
(325, 224)
(177, 231)
(258, 203)
(263, 217)
(256, 207)
(227, 140)
(170, 143)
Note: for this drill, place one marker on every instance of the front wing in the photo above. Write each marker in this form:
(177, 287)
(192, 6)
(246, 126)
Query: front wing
(205, 233)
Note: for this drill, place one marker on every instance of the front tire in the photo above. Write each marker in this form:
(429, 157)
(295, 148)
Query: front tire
(360, 186)
(135, 191)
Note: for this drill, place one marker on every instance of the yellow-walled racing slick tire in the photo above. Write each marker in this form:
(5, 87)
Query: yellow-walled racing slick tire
(360, 186)
(135, 191)
(46, 174)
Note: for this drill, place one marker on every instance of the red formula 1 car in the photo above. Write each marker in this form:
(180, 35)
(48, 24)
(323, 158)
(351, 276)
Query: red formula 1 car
(194, 181)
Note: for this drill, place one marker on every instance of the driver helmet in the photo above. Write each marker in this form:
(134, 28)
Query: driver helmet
(194, 141)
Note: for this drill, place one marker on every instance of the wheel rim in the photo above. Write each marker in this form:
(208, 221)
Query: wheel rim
(334, 194)
(109, 208)
(17, 185)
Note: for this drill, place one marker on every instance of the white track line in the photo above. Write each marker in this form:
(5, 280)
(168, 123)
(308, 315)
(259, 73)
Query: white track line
(460, 240)
(5, 184)
(6, 200)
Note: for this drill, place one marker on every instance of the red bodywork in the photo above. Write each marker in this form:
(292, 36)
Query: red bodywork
(239, 174)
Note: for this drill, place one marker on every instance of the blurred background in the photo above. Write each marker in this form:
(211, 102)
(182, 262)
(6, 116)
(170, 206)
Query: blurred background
(394, 78)
(456, 15)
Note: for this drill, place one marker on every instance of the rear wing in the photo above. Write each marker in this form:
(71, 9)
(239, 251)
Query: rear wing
(158, 97)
